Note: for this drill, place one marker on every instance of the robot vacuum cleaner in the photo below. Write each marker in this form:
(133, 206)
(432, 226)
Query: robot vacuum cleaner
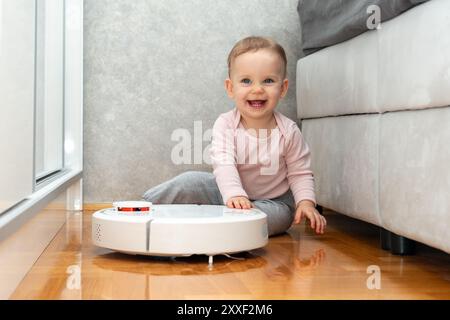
(139, 227)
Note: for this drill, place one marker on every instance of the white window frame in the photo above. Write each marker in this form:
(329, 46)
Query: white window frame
(49, 88)
(71, 177)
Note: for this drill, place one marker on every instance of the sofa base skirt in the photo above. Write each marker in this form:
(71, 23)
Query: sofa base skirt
(344, 153)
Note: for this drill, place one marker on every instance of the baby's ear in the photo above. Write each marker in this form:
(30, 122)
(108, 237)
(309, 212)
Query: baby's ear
(229, 87)
(284, 87)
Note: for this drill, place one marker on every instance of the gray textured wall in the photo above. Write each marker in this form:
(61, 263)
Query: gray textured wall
(153, 66)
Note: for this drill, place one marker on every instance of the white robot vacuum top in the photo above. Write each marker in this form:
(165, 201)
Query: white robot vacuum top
(138, 227)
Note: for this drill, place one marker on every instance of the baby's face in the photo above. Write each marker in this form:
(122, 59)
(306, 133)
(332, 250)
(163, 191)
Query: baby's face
(257, 83)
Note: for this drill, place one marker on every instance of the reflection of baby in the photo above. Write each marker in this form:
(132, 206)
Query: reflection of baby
(257, 81)
(293, 261)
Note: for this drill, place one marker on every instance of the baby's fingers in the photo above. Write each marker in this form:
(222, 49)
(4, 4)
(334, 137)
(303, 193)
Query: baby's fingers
(320, 223)
(316, 222)
(298, 217)
(319, 228)
(324, 223)
(237, 204)
(312, 220)
(244, 204)
(233, 203)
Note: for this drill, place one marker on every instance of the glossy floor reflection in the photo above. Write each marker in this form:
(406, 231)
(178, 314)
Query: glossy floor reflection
(296, 265)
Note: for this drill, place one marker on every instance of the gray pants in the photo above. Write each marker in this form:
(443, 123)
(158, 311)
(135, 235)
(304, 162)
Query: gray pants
(198, 187)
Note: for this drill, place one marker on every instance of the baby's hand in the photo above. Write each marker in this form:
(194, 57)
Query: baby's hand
(306, 209)
(239, 203)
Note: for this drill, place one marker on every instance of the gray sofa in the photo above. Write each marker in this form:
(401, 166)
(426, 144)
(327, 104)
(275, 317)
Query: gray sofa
(375, 112)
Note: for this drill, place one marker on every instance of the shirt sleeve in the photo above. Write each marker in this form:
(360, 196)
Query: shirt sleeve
(298, 161)
(223, 160)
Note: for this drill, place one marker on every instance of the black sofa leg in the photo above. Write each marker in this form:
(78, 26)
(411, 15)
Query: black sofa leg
(398, 245)
(401, 245)
(385, 239)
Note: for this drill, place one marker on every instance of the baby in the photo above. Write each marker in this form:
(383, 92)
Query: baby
(258, 155)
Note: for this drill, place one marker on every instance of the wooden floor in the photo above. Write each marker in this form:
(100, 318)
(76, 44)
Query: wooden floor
(296, 265)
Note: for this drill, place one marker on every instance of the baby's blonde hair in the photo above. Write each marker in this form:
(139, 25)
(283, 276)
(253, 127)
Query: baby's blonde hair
(255, 43)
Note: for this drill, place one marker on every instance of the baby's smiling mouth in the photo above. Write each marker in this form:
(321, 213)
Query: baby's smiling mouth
(258, 104)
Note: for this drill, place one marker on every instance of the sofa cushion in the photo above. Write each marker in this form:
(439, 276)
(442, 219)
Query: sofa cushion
(404, 65)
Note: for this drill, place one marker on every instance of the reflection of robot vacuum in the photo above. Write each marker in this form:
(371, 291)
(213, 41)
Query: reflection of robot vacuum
(138, 227)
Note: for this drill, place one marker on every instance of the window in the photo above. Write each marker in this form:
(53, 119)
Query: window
(49, 88)
(41, 99)
(17, 32)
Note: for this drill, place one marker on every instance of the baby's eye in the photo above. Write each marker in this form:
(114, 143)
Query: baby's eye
(269, 81)
(245, 81)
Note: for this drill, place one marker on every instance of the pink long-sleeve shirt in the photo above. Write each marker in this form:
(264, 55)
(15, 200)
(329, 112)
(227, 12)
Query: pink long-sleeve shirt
(263, 167)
